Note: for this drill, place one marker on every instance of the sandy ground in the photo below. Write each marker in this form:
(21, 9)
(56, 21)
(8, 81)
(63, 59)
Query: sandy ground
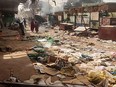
(16, 60)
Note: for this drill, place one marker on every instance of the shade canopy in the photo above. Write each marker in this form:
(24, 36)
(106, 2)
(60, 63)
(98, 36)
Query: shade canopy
(10, 5)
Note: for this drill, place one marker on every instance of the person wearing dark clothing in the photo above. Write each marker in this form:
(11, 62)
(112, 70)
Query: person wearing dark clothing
(21, 29)
(24, 20)
(32, 25)
(36, 26)
(1, 21)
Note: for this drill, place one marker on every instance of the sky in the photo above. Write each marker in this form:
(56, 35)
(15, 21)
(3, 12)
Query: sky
(109, 0)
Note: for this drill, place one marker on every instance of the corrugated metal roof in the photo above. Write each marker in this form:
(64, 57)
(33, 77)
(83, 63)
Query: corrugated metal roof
(10, 5)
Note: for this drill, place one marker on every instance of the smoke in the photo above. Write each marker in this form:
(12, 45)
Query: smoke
(51, 6)
(28, 9)
(40, 7)
(43, 7)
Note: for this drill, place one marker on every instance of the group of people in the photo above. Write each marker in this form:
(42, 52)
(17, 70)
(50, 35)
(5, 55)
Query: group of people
(34, 25)
(22, 25)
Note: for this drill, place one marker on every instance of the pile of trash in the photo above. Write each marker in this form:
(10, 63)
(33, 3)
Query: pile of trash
(69, 64)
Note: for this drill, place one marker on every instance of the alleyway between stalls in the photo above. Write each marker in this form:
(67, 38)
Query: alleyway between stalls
(55, 57)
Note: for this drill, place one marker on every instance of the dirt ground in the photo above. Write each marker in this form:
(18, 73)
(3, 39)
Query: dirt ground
(17, 60)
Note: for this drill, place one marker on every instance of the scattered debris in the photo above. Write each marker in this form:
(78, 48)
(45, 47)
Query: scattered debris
(65, 60)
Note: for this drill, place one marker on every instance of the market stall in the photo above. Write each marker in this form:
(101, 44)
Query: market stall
(107, 29)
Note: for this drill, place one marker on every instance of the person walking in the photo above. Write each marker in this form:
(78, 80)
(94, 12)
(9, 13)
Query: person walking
(24, 21)
(36, 26)
(21, 29)
(32, 25)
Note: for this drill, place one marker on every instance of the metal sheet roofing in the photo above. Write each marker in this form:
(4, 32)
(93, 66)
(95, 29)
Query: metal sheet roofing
(10, 5)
